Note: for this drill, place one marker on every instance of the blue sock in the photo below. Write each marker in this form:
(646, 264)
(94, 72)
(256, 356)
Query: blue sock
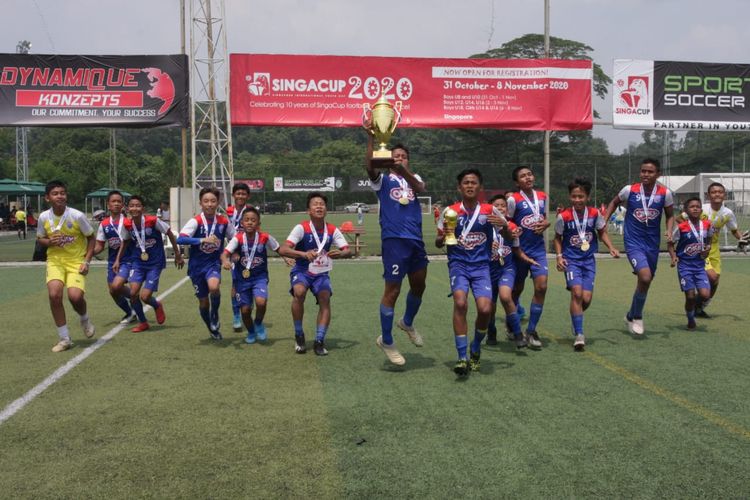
(476, 344)
(257, 321)
(534, 316)
(124, 304)
(386, 324)
(215, 303)
(690, 315)
(636, 307)
(298, 331)
(491, 328)
(412, 308)
(461, 342)
(251, 328)
(153, 302)
(320, 334)
(235, 306)
(577, 320)
(514, 322)
(205, 316)
(138, 308)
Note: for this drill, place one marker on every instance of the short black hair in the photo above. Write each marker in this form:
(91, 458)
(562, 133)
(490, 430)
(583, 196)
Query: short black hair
(692, 198)
(210, 189)
(652, 161)
(716, 184)
(137, 197)
(498, 197)
(401, 146)
(316, 194)
(251, 210)
(55, 184)
(113, 193)
(469, 171)
(240, 186)
(580, 182)
(518, 169)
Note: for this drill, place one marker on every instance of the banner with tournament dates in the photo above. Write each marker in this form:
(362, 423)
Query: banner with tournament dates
(303, 90)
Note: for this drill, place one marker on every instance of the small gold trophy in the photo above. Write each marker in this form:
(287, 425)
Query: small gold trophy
(384, 118)
(450, 221)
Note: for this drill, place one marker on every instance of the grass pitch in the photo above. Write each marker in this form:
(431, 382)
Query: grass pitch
(167, 413)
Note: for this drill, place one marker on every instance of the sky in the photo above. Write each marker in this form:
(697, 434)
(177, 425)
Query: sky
(678, 30)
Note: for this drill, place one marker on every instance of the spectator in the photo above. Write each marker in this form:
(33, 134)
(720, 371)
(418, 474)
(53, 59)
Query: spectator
(21, 223)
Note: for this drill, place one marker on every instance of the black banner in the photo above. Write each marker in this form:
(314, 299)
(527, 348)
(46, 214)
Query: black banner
(101, 91)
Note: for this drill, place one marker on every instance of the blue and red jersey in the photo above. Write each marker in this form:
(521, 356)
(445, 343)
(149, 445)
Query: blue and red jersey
(688, 247)
(154, 228)
(259, 265)
(204, 255)
(522, 213)
(107, 231)
(643, 227)
(504, 248)
(565, 226)
(301, 239)
(474, 245)
(235, 215)
(397, 220)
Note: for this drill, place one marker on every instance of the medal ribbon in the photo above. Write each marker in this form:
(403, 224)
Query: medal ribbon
(119, 226)
(249, 255)
(318, 242)
(646, 207)
(205, 225)
(140, 237)
(237, 216)
(467, 227)
(698, 233)
(404, 186)
(533, 206)
(581, 227)
(59, 224)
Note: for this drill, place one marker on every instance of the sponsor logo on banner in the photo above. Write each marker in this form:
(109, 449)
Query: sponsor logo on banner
(325, 184)
(259, 83)
(162, 87)
(634, 96)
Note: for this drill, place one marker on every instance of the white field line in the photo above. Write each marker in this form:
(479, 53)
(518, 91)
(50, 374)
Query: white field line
(27, 398)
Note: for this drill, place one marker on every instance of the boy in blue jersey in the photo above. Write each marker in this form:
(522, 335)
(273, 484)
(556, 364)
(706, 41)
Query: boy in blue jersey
(112, 232)
(235, 211)
(527, 208)
(403, 249)
(205, 233)
(689, 248)
(576, 245)
(644, 202)
(310, 244)
(246, 255)
(148, 260)
(469, 266)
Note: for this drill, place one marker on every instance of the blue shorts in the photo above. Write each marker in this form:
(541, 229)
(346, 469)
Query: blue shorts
(501, 276)
(642, 259)
(123, 273)
(200, 279)
(476, 276)
(524, 268)
(402, 257)
(692, 278)
(314, 282)
(246, 294)
(148, 276)
(581, 273)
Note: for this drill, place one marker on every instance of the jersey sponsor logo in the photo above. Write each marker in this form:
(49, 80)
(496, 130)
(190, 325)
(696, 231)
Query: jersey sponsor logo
(208, 247)
(575, 239)
(529, 221)
(67, 240)
(397, 193)
(640, 214)
(257, 261)
(692, 249)
(113, 242)
(473, 240)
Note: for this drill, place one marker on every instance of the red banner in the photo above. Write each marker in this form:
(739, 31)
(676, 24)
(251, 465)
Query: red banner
(522, 94)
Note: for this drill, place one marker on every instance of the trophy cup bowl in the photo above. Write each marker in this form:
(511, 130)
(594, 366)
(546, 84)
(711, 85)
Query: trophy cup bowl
(450, 221)
(384, 118)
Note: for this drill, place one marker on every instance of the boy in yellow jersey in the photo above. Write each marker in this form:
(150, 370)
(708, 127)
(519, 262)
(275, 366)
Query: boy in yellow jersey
(69, 237)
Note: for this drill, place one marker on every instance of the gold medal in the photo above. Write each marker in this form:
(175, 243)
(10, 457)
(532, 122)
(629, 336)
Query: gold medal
(144, 256)
(246, 273)
(585, 246)
(404, 200)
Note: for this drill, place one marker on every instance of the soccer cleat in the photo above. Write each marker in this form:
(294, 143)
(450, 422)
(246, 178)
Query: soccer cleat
(414, 336)
(638, 326)
(216, 335)
(260, 330)
(299, 347)
(520, 341)
(461, 368)
(161, 316)
(691, 325)
(701, 313)
(391, 352)
(237, 322)
(579, 343)
(88, 329)
(128, 318)
(474, 363)
(141, 327)
(250, 338)
(492, 338)
(533, 340)
(62, 345)
(320, 348)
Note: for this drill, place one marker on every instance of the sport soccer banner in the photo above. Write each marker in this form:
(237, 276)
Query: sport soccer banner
(303, 90)
(324, 184)
(85, 91)
(681, 95)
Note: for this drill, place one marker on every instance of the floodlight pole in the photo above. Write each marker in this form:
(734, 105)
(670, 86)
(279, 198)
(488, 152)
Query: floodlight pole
(22, 147)
(546, 132)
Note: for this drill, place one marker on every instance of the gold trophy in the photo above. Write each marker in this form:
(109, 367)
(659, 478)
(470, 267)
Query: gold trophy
(450, 221)
(384, 118)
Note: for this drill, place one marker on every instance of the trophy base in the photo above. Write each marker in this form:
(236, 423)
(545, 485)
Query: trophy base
(386, 162)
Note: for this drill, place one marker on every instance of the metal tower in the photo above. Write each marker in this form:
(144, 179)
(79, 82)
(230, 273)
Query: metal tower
(210, 127)
(22, 148)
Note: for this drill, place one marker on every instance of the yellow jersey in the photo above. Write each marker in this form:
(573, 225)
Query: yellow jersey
(75, 228)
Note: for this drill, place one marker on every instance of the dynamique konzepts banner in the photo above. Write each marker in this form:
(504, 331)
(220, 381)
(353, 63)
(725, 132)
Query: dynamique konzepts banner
(303, 90)
(85, 91)
(681, 95)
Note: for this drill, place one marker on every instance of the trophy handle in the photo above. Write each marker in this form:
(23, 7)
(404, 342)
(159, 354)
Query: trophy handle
(397, 110)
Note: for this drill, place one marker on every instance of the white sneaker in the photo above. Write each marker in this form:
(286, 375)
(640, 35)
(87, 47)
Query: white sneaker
(579, 343)
(62, 345)
(391, 352)
(638, 326)
(414, 336)
(88, 329)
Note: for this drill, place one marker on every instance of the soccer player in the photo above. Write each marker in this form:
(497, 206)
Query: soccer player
(689, 248)
(205, 233)
(505, 248)
(576, 245)
(21, 223)
(69, 238)
(719, 215)
(246, 255)
(527, 208)
(148, 260)
(112, 232)
(402, 246)
(469, 266)
(240, 195)
(310, 244)
(644, 202)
